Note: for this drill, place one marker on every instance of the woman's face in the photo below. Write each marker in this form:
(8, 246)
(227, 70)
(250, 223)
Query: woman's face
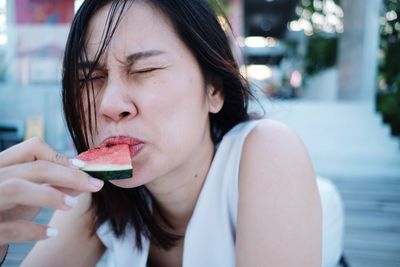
(149, 87)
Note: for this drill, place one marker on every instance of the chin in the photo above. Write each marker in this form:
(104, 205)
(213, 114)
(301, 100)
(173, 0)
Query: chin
(136, 180)
(126, 183)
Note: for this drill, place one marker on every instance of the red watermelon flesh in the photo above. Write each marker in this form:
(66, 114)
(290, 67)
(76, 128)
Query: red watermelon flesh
(108, 162)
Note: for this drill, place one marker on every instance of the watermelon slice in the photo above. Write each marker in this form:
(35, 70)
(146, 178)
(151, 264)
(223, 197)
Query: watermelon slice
(108, 162)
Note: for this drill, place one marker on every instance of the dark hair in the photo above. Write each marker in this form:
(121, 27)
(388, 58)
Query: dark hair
(197, 26)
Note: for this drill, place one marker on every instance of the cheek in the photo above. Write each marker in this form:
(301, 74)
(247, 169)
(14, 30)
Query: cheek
(182, 109)
(183, 114)
(91, 114)
(187, 93)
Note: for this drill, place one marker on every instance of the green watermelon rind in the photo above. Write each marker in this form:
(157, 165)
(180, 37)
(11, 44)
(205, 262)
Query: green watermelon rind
(105, 162)
(110, 174)
(106, 167)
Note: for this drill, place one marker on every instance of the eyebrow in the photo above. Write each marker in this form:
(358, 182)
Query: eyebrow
(133, 58)
(130, 59)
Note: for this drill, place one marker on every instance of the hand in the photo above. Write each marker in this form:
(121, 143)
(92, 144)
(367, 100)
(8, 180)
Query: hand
(32, 176)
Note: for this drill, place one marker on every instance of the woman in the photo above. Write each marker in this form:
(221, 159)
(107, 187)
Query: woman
(210, 186)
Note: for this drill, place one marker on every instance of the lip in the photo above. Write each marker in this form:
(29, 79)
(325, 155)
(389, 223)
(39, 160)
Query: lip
(135, 145)
(117, 140)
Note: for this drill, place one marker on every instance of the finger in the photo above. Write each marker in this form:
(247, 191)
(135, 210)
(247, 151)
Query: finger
(68, 191)
(46, 172)
(22, 231)
(21, 192)
(30, 150)
(21, 212)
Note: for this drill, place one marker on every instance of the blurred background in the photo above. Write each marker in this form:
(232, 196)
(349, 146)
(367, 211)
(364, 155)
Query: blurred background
(330, 69)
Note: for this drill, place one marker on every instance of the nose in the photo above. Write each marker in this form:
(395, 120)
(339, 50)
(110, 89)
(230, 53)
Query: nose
(116, 104)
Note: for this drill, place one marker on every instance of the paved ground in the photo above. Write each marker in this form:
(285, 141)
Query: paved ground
(372, 207)
(349, 145)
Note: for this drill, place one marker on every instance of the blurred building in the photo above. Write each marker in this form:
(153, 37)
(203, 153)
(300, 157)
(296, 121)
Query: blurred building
(32, 39)
(277, 33)
(273, 35)
(268, 61)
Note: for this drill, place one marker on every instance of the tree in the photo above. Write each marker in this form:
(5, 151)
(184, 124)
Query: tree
(388, 98)
(322, 22)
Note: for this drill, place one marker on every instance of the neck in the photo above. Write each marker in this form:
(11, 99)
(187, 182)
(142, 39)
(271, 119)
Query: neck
(176, 200)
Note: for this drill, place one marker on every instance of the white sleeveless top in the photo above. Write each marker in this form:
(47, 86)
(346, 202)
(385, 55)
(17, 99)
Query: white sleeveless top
(211, 233)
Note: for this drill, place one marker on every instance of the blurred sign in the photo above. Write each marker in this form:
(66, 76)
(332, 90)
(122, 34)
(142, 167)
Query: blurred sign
(34, 127)
(44, 11)
(39, 53)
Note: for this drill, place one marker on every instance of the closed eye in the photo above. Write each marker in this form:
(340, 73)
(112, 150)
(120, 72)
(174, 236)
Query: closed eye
(92, 78)
(143, 71)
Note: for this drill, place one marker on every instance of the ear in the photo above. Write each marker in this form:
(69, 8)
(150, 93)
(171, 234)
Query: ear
(215, 99)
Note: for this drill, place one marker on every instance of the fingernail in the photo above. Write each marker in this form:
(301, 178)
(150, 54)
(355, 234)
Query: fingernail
(70, 201)
(77, 163)
(51, 232)
(96, 182)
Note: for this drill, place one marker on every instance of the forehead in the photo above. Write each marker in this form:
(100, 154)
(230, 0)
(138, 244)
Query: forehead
(142, 26)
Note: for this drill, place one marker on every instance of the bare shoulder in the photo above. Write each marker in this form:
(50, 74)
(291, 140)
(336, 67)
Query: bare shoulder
(279, 208)
(273, 144)
(274, 137)
(273, 157)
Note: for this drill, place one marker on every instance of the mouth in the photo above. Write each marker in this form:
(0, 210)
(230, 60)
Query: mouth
(135, 145)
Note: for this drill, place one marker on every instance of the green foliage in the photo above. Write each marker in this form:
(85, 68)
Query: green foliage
(321, 54)
(389, 105)
(388, 99)
(310, 5)
(323, 37)
(390, 46)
